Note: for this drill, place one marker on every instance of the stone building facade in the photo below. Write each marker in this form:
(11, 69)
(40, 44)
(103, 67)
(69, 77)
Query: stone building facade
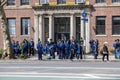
(57, 19)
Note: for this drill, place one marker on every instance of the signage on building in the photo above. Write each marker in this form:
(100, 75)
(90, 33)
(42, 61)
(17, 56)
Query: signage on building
(84, 19)
(80, 1)
(84, 15)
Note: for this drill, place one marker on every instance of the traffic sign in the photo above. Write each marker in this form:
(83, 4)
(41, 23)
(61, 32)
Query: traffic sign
(84, 14)
(84, 19)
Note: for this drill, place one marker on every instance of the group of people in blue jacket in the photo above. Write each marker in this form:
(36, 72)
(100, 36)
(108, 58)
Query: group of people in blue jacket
(65, 49)
(26, 48)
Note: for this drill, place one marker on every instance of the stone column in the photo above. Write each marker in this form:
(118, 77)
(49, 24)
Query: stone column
(88, 33)
(82, 28)
(51, 27)
(72, 27)
(36, 25)
(41, 29)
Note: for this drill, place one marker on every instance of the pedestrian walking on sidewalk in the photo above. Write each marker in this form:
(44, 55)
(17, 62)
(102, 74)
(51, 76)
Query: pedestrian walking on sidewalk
(105, 51)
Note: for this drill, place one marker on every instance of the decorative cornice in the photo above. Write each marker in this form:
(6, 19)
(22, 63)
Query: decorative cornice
(106, 5)
(16, 7)
(62, 7)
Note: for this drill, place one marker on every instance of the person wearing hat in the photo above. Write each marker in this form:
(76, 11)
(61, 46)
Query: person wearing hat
(105, 51)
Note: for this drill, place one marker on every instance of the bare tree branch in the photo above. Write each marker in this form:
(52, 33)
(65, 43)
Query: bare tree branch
(0, 2)
(3, 2)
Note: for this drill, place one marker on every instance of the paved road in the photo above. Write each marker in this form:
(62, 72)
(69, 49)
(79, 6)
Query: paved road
(59, 70)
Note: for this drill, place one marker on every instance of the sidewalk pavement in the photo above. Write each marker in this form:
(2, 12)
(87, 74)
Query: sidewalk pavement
(86, 58)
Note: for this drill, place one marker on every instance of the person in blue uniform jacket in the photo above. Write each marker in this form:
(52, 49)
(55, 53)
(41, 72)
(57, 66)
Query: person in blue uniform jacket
(92, 46)
(25, 48)
(75, 49)
(13, 47)
(17, 49)
(96, 49)
(67, 49)
(118, 53)
(40, 50)
(117, 49)
(31, 44)
(71, 50)
(79, 51)
(59, 48)
(114, 46)
(46, 49)
(52, 51)
(63, 50)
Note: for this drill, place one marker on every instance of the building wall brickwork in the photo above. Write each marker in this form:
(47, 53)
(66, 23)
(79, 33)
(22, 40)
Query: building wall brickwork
(108, 10)
(18, 11)
(18, 14)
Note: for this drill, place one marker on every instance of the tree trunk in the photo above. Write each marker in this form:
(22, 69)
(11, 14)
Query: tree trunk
(6, 36)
